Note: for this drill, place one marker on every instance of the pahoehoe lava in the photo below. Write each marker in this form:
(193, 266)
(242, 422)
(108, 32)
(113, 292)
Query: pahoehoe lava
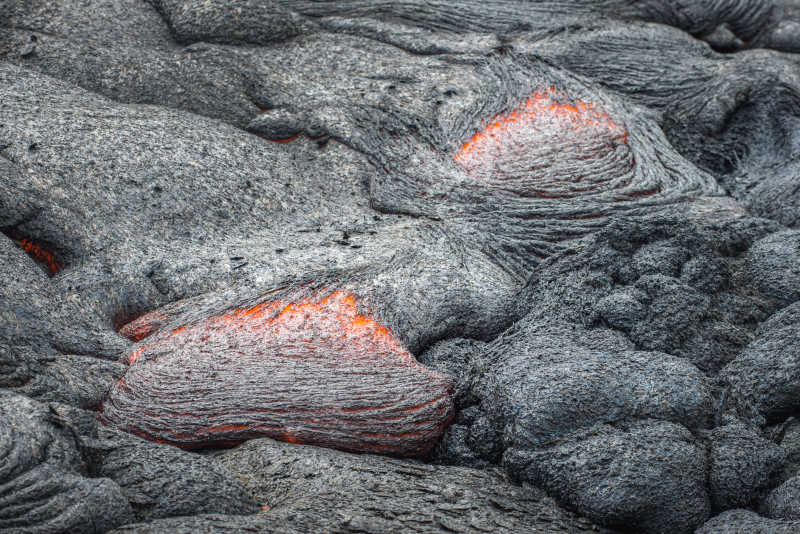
(313, 371)
(399, 266)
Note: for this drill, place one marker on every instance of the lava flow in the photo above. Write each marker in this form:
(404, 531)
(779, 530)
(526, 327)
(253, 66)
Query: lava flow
(549, 148)
(314, 371)
(40, 254)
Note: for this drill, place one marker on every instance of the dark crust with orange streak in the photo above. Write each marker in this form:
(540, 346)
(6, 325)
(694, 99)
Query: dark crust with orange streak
(41, 255)
(314, 371)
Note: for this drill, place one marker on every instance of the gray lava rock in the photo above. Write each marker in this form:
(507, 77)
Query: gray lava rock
(314, 489)
(730, 24)
(784, 501)
(647, 476)
(45, 482)
(210, 524)
(81, 381)
(163, 481)
(742, 464)
(735, 115)
(766, 375)
(459, 359)
(204, 79)
(137, 169)
(564, 408)
(772, 266)
(684, 287)
(747, 522)
(104, 22)
(787, 435)
(548, 387)
(32, 327)
(241, 21)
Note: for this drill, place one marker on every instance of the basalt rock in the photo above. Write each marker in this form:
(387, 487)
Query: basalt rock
(46, 486)
(733, 115)
(553, 404)
(784, 501)
(728, 24)
(324, 490)
(310, 489)
(592, 353)
(545, 385)
(687, 288)
(765, 375)
(747, 522)
(231, 219)
(742, 464)
(787, 435)
(104, 22)
(603, 471)
(162, 481)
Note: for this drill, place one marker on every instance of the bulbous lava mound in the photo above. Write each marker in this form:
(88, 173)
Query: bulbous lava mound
(314, 371)
(549, 148)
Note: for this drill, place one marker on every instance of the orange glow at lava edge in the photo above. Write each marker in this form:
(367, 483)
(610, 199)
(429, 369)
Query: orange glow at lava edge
(40, 255)
(140, 328)
(540, 105)
(336, 315)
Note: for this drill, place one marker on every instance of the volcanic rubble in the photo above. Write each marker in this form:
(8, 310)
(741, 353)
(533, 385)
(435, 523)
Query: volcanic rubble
(375, 266)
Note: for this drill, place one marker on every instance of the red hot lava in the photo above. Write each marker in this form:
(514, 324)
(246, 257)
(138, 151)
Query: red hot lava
(313, 371)
(549, 147)
(40, 254)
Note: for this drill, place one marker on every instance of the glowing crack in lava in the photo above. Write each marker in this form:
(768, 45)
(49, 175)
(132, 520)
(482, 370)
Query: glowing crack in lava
(313, 371)
(40, 254)
(550, 147)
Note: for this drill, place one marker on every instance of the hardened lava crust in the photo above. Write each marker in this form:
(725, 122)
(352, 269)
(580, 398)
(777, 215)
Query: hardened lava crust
(390, 266)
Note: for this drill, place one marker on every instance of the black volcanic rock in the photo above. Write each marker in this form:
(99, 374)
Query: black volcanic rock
(742, 464)
(513, 239)
(548, 387)
(649, 476)
(784, 501)
(684, 287)
(569, 416)
(46, 485)
(592, 353)
(765, 375)
(747, 522)
(316, 489)
(162, 481)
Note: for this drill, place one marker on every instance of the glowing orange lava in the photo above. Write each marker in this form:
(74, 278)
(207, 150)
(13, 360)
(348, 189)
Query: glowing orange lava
(539, 111)
(551, 148)
(316, 370)
(337, 313)
(286, 140)
(40, 254)
(143, 326)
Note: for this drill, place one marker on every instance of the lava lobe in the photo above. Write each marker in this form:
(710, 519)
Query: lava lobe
(549, 147)
(314, 371)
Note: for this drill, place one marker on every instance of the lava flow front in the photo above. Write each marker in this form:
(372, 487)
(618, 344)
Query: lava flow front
(549, 147)
(313, 371)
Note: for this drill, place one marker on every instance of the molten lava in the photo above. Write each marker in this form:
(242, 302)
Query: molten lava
(144, 326)
(550, 148)
(40, 254)
(313, 371)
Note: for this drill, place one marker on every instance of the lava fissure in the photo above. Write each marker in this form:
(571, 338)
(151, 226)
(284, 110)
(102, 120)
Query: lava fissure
(38, 251)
